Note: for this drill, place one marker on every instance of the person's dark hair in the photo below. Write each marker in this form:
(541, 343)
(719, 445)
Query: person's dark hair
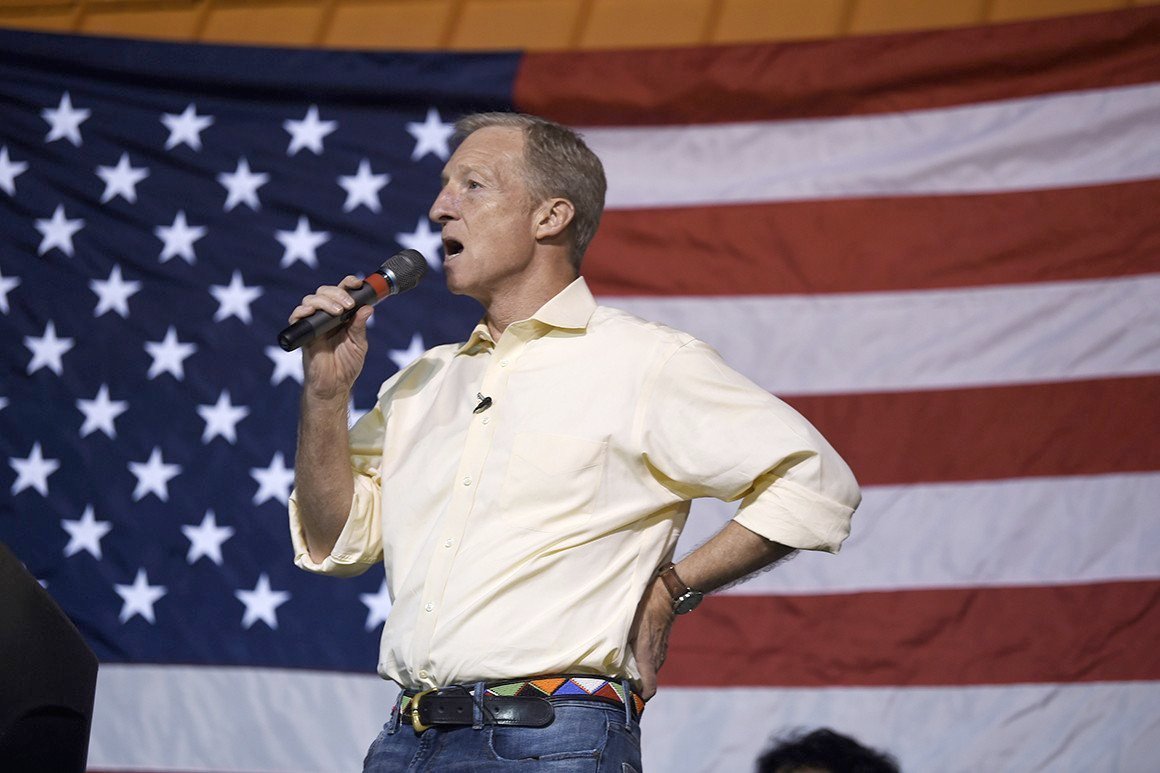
(558, 164)
(823, 750)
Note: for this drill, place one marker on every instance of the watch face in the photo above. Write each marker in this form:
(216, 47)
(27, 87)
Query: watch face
(688, 601)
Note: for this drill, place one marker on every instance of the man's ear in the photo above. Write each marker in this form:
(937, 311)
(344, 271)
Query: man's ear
(554, 217)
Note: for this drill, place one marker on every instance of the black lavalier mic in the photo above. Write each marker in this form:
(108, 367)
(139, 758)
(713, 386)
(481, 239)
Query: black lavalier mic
(398, 274)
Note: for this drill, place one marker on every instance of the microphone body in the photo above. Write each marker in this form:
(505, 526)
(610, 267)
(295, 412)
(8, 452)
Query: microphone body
(398, 274)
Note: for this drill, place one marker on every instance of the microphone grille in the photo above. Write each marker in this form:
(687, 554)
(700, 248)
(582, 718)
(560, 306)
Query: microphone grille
(408, 268)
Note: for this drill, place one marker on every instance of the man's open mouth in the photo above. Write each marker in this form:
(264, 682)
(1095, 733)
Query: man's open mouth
(452, 247)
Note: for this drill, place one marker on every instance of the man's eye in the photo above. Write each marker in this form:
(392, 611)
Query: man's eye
(472, 184)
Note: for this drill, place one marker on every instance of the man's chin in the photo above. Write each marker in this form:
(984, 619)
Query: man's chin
(456, 285)
(450, 276)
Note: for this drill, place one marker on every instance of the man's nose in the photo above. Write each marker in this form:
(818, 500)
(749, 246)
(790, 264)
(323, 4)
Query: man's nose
(442, 208)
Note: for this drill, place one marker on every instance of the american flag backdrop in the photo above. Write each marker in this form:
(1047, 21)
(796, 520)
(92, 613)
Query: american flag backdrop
(942, 247)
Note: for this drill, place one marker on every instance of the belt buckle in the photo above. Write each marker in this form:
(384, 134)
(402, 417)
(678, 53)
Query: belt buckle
(415, 721)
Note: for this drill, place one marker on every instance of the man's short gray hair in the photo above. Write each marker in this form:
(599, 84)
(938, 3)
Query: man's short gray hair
(558, 164)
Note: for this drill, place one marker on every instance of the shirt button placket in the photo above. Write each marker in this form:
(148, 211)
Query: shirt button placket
(475, 452)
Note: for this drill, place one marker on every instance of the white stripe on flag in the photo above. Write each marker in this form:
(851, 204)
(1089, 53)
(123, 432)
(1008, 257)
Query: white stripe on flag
(1018, 144)
(929, 339)
(1028, 727)
(205, 718)
(1031, 531)
(264, 720)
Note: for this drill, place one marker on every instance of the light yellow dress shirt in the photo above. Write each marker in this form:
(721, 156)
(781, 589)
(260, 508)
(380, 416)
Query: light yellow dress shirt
(518, 540)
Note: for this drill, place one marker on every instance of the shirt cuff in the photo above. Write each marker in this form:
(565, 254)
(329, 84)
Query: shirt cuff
(359, 545)
(795, 516)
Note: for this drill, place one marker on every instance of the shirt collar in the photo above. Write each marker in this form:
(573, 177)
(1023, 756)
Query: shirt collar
(569, 309)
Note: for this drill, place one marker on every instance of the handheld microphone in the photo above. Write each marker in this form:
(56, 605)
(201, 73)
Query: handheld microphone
(398, 274)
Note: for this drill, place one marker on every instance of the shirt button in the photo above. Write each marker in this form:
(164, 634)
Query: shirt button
(466, 480)
(486, 419)
(423, 675)
(503, 363)
(448, 543)
(429, 606)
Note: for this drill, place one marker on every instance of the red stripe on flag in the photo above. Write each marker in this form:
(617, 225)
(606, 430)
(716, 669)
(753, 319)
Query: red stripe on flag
(1068, 428)
(959, 636)
(861, 75)
(860, 245)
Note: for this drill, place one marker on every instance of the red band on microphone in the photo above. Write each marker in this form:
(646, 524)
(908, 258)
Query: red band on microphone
(379, 283)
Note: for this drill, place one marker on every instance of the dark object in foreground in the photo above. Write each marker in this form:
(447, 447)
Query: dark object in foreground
(48, 679)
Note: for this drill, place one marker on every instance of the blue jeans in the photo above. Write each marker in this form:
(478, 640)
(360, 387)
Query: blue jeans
(587, 736)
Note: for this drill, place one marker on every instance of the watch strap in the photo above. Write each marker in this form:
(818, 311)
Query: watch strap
(673, 583)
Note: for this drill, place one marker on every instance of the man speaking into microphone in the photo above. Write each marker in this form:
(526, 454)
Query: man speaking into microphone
(525, 488)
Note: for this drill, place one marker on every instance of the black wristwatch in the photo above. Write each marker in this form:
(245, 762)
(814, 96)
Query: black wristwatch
(685, 599)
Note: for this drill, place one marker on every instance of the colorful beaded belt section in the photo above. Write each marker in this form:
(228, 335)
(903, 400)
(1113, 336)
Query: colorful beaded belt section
(557, 687)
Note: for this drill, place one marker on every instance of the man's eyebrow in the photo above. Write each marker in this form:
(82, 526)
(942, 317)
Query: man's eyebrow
(463, 170)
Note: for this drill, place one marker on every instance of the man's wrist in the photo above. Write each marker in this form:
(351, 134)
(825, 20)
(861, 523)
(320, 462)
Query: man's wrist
(337, 401)
(684, 599)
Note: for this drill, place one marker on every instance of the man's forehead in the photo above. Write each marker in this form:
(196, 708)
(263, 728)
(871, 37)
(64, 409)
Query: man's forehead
(486, 149)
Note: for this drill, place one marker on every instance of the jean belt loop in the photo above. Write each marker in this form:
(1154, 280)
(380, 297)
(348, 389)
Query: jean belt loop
(477, 706)
(628, 702)
(396, 714)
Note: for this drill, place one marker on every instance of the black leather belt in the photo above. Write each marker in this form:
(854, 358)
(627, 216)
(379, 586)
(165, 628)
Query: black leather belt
(456, 706)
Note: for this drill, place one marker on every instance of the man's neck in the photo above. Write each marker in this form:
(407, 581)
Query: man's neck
(505, 309)
(522, 299)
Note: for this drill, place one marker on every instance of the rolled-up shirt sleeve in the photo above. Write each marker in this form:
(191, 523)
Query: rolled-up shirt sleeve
(710, 432)
(360, 545)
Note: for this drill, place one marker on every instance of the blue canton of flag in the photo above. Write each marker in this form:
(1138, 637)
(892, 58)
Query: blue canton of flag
(164, 207)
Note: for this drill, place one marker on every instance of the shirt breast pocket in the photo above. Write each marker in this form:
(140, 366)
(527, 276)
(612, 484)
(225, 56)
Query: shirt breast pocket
(552, 481)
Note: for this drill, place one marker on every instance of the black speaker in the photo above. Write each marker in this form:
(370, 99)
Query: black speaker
(48, 678)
